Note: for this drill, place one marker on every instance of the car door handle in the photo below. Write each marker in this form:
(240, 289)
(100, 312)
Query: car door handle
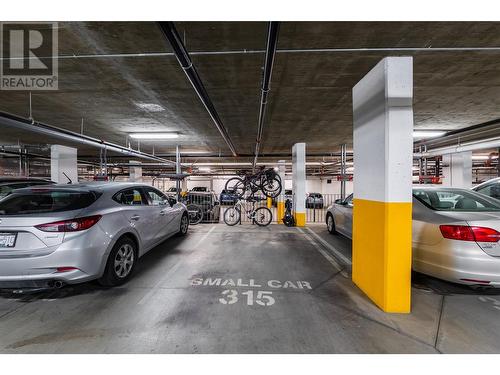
(135, 217)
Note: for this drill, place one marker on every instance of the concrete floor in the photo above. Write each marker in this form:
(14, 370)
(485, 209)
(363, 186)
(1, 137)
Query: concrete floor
(162, 310)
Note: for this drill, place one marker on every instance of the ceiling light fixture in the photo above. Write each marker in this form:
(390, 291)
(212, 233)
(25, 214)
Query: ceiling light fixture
(428, 133)
(480, 157)
(154, 135)
(150, 107)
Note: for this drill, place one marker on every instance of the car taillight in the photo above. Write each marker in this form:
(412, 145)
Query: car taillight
(467, 233)
(73, 225)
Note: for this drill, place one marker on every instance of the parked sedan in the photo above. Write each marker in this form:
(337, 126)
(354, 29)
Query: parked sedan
(314, 200)
(9, 184)
(67, 234)
(455, 234)
(490, 188)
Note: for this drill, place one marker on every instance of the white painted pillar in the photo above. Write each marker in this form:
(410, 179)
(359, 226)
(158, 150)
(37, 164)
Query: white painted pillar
(63, 161)
(280, 204)
(383, 157)
(457, 170)
(184, 184)
(135, 172)
(299, 183)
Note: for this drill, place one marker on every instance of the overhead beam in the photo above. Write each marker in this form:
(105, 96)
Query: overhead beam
(170, 32)
(272, 42)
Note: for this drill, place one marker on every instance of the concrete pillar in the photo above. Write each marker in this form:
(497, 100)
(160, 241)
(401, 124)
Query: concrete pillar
(184, 184)
(280, 203)
(383, 151)
(457, 170)
(63, 161)
(211, 183)
(299, 183)
(135, 172)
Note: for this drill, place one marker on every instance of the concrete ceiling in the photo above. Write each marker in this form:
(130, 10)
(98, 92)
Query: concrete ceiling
(310, 96)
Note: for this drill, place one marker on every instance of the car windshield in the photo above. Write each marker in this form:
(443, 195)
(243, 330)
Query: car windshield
(455, 200)
(37, 202)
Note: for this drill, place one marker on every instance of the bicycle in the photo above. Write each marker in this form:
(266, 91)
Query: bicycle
(195, 213)
(265, 180)
(262, 216)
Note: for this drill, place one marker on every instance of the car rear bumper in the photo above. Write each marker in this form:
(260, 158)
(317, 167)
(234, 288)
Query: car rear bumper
(85, 252)
(459, 262)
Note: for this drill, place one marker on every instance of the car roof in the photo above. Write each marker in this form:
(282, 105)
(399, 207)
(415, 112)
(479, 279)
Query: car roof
(100, 186)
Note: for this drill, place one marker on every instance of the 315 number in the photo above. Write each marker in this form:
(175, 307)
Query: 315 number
(262, 298)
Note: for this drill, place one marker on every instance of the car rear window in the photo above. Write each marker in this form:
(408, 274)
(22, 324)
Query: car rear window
(38, 202)
(455, 200)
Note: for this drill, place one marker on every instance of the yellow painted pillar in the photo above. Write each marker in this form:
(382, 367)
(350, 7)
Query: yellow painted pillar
(280, 203)
(269, 203)
(383, 152)
(299, 183)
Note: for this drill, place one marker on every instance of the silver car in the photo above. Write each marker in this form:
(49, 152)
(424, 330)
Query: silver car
(455, 234)
(490, 188)
(66, 234)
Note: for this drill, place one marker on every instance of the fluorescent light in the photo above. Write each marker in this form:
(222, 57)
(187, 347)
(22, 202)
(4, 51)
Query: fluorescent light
(151, 107)
(153, 135)
(428, 133)
(204, 169)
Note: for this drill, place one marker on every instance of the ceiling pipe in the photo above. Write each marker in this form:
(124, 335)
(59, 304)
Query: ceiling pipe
(272, 42)
(468, 146)
(41, 157)
(170, 32)
(7, 119)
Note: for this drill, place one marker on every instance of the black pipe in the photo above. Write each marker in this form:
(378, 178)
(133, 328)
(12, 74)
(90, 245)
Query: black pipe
(272, 42)
(170, 32)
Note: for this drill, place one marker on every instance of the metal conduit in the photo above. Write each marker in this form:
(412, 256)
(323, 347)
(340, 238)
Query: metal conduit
(7, 119)
(250, 52)
(468, 146)
(272, 41)
(170, 32)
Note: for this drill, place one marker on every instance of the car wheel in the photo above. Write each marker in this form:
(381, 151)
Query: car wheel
(121, 263)
(184, 226)
(330, 224)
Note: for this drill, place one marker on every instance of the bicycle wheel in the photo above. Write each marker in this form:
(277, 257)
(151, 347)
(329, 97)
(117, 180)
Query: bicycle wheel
(195, 214)
(271, 187)
(236, 185)
(263, 216)
(232, 216)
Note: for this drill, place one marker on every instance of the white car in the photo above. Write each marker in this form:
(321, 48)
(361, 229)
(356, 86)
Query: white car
(455, 234)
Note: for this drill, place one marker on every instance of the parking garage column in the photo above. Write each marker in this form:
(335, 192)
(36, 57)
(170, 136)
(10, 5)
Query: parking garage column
(457, 170)
(383, 151)
(280, 203)
(299, 183)
(135, 172)
(63, 164)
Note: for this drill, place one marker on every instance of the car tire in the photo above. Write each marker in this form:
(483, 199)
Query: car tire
(330, 224)
(121, 263)
(184, 225)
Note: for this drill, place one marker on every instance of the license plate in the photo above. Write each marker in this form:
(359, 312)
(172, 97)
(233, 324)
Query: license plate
(8, 239)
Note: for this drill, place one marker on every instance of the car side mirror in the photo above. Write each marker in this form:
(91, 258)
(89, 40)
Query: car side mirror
(172, 201)
(338, 201)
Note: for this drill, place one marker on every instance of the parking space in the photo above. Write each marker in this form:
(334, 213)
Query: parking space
(279, 290)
